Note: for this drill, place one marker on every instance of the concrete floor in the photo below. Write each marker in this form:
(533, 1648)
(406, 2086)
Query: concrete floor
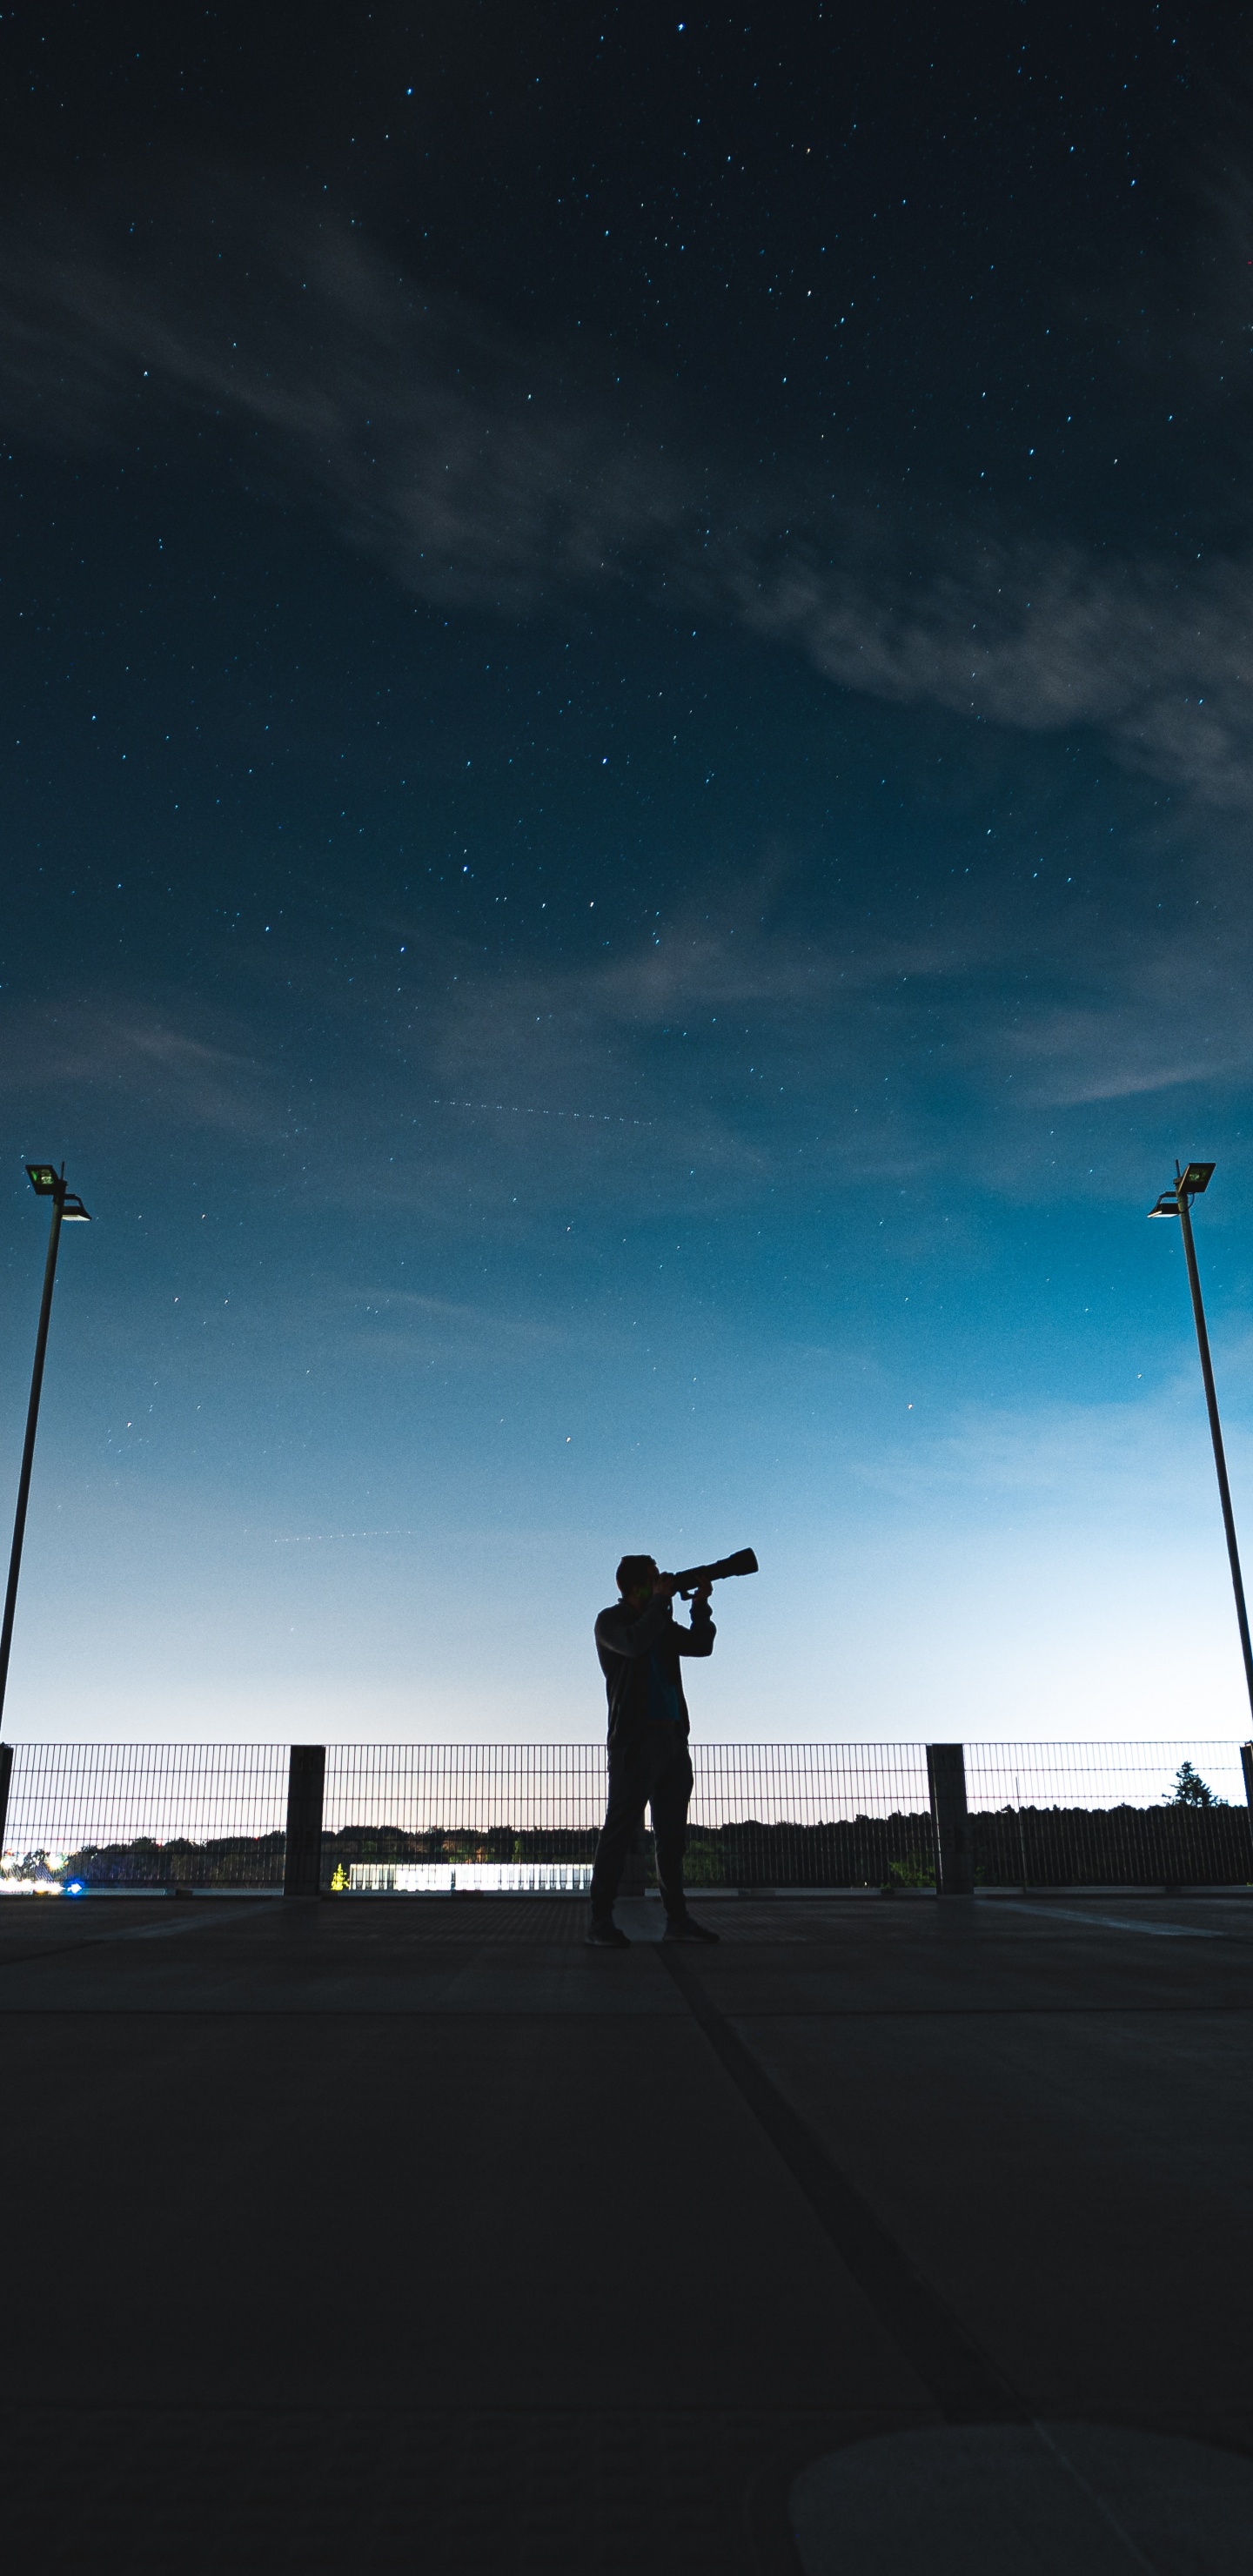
(409, 2234)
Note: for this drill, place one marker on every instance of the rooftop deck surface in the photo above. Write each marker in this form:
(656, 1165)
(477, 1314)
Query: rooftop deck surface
(409, 2234)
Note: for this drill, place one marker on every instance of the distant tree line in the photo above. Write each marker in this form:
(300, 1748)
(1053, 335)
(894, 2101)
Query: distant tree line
(230, 1860)
(1183, 1844)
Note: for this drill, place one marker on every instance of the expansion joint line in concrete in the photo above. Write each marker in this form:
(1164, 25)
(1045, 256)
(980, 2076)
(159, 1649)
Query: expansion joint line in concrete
(966, 2387)
(134, 1932)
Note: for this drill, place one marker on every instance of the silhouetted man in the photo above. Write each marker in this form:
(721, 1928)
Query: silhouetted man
(639, 1646)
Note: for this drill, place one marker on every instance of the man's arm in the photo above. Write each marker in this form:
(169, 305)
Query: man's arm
(622, 1631)
(699, 1638)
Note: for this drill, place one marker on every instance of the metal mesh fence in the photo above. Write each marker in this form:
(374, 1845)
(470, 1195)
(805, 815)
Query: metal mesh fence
(810, 1815)
(1117, 1815)
(145, 1815)
(417, 1818)
(478, 1818)
(780, 1815)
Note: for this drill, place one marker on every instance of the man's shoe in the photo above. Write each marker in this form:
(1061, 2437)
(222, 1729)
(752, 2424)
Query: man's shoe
(605, 1935)
(684, 1927)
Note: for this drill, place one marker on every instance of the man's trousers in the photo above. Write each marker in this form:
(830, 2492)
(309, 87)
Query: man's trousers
(651, 1769)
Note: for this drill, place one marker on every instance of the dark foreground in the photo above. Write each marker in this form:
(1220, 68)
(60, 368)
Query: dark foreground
(889, 2236)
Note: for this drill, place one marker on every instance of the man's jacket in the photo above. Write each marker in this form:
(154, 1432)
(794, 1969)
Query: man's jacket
(625, 1641)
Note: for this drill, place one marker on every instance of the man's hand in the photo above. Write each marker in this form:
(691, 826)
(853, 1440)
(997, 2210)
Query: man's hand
(702, 1592)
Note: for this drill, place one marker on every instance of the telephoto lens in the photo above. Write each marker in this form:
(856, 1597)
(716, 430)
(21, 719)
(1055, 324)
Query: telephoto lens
(743, 1562)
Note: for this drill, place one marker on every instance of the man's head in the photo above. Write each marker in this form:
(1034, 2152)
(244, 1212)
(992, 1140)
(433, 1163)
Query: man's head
(637, 1578)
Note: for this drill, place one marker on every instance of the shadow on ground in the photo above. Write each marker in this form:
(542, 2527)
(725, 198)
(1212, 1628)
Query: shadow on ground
(411, 2234)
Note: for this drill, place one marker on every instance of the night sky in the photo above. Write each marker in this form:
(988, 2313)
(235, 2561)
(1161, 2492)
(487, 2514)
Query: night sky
(628, 765)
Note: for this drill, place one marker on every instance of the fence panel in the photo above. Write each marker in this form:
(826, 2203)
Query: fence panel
(496, 1817)
(774, 1815)
(810, 1815)
(1109, 1815)
(144, 1815)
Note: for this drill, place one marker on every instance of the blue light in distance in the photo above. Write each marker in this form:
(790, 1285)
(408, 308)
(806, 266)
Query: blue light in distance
(76, 1888)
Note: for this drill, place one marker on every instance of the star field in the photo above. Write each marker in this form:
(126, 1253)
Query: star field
(627, 765)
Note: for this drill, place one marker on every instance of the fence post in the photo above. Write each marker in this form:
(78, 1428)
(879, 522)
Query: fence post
(6, 1774)
(302, 1865)
(946, 1782)
(1246, 1765)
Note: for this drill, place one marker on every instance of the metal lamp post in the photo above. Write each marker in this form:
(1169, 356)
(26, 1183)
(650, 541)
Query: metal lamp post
(67, 1209)
(1178, 1202)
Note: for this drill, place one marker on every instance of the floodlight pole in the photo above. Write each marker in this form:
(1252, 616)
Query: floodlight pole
(57, 1195)
(1211, 1401)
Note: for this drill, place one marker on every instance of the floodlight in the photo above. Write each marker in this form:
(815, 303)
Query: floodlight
(48, 1184)
(1167, 1205)
(1196, 1178)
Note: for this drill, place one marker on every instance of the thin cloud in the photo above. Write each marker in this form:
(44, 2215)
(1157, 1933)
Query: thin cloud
(115, 1058)
(735, 1054)
(486, 472)
(1162, 666)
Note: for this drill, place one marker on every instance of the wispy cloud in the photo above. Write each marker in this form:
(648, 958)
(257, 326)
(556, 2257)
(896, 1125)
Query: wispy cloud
(1038, 1458)
(482, 470)
(119, 1057)
(739, 1052)
(479, 470)
(1159, 661)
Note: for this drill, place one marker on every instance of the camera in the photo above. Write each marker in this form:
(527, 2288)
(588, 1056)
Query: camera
(686, 1583)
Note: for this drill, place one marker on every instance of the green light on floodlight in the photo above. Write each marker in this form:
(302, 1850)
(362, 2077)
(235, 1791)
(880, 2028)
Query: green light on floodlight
(1191, 1182)
(48, 1184)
